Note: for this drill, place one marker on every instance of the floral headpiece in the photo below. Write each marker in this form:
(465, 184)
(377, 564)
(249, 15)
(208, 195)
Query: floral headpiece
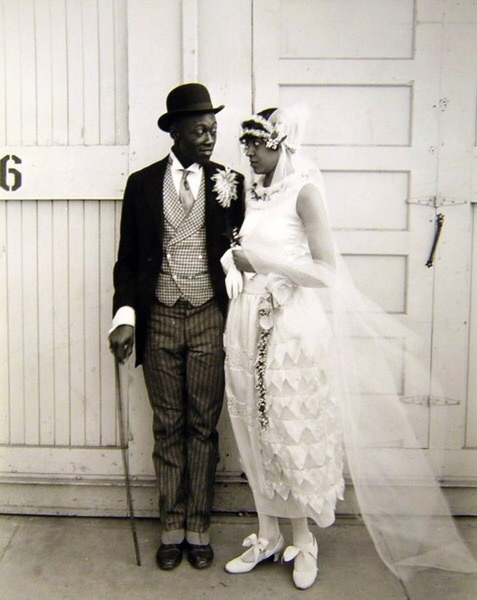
(273, 134)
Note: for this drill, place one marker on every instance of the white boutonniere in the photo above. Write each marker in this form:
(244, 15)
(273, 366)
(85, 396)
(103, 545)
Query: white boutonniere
(225, 186)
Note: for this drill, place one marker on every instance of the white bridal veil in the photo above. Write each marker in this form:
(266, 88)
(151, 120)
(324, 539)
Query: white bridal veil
(398, 493)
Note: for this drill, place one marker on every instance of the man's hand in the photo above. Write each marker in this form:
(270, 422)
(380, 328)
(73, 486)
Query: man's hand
(121, 342)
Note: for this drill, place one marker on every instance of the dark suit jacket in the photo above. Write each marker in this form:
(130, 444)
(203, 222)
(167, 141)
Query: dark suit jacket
(142, 231)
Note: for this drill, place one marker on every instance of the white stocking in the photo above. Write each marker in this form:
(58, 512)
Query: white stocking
(301, 532)
(268, 528)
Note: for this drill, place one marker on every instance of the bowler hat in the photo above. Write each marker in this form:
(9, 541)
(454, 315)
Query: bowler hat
(187, 99)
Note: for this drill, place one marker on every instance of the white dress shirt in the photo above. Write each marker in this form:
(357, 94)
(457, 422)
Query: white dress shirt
(194, 178)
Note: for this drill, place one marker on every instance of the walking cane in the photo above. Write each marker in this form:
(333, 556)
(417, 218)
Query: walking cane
(124, 453)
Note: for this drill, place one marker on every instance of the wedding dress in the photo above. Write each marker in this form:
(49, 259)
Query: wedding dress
(295, 464)
(314, 379)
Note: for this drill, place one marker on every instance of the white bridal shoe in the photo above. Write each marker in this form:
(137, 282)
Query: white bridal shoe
(259, 550)
(305, 568)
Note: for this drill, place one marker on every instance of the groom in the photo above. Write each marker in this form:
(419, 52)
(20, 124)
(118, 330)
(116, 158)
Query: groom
(169, 295)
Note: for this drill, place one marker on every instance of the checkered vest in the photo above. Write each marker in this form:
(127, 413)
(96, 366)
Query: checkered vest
(184, 272)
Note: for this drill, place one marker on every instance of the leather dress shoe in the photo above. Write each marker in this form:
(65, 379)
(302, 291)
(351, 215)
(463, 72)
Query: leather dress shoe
(168, 556)
(200, 557)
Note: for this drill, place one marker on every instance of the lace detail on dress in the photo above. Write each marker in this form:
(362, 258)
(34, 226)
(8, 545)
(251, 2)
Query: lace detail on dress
(242, 410)
(260, 197)
(236, 358)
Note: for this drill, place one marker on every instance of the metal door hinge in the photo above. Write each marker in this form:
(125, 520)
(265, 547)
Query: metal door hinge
(429, 401)
(440, 201)
(436, 201)
(421, 201)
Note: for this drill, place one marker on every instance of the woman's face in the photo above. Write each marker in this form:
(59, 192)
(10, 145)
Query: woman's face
(263, 160)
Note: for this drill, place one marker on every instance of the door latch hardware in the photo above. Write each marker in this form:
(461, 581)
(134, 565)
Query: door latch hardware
(437, 233)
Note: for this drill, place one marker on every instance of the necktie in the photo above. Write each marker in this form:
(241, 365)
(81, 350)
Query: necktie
(185, 193)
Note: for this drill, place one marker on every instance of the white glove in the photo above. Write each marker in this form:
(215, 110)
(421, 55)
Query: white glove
(233, 282)
(227, 261)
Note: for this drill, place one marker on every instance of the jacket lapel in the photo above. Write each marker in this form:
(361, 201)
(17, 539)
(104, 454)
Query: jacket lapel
(214, 218)
(154, 192)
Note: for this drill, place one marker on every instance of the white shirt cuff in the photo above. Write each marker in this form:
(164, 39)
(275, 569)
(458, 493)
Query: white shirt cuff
(124, 316)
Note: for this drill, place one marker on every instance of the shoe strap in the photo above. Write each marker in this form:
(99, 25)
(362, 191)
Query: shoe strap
(259, 545)
(309, 553)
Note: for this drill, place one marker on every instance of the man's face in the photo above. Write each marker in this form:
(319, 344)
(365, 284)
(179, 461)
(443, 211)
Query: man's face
(195, 137)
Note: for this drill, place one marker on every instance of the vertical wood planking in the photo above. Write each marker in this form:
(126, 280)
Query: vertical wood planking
(29, 274)
(266, 51)
(57, 266)
(13, 98)
(4, 378)
(121, 72)
(59, 72)
(107, 121)
(3, 82)
(60, 322)
(153, 56)
(117, 225)
(74, 42)
(92, 323)
(44, 72)
(214, 59)
(424, 137)
(471, 421)
(76, 320)
(56, 53)
(28, 72)
(46, 349)
(15, 323)
(107, 248)
(90, 72)
(190, 40)
(453, 258)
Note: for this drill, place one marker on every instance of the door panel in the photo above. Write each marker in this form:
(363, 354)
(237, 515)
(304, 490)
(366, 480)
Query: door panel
(373, 131)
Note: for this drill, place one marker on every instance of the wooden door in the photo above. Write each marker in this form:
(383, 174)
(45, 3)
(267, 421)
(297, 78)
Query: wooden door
(370, 78)
(85, 82)
(389, 85)
(453, 423)
(64, 157)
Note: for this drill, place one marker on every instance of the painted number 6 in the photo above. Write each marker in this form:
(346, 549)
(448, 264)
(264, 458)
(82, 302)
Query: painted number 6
(5, 171)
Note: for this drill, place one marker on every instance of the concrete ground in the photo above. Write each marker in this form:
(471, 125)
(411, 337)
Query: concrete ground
(67, 558)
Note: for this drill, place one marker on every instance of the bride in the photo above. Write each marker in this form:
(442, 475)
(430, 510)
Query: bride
(298, 397)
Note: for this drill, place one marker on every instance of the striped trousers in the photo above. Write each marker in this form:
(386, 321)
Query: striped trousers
(184, 374)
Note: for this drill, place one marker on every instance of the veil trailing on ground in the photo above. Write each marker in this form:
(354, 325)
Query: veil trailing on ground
(375, 364)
